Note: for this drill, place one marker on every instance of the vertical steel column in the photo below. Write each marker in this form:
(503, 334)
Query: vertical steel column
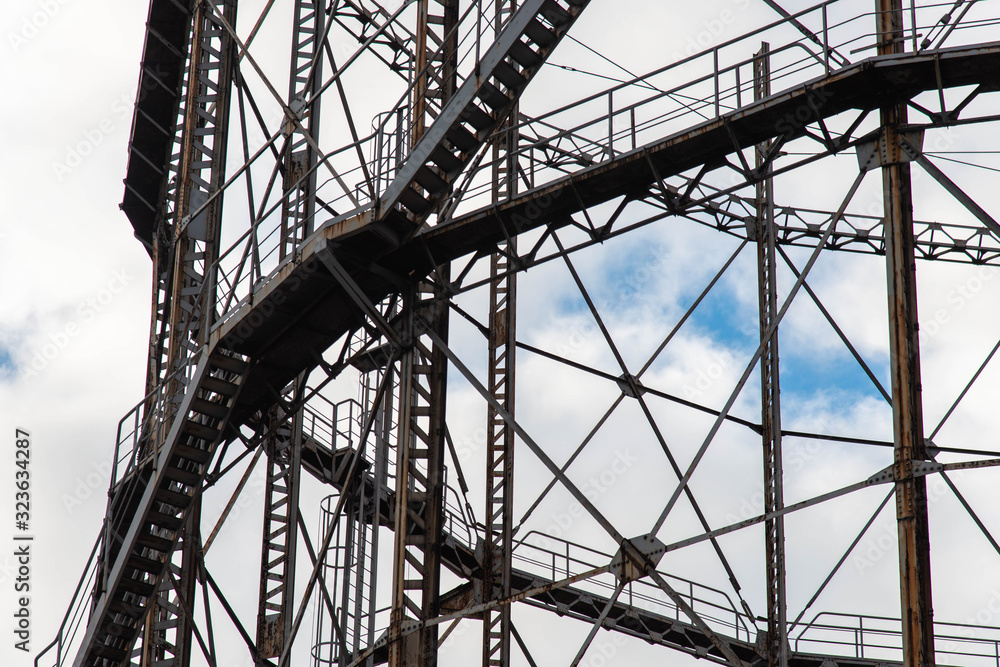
(281, 511)
(203, 167)
(202, 171)
(360, 521)
(159, 332)
(498, 544)
(419, 501)
(774, 530)
(436, 62)
(195, 248)
(304, 82)
(190, 548)
(284, 446)
(163, 231)
(904, 352)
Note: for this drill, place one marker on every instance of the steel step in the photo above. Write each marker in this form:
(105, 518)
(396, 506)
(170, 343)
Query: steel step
(133, 575)
(463, 126)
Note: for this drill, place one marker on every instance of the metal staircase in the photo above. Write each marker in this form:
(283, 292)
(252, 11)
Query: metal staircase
(479, 105)
(149, 504)
(211, 389)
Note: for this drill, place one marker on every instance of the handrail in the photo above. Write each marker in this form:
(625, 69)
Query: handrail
(75, 611)
(648, 594)
(868, 636)
(719, 89)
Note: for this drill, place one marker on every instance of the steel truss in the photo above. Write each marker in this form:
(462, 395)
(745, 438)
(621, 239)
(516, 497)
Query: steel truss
(314, 306)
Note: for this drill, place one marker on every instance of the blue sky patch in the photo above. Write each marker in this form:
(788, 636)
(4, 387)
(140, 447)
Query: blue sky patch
(7, 365)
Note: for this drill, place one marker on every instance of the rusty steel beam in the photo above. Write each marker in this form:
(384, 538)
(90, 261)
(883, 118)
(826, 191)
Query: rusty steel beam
(499, 517)
(299, 159)
(907, 411)
(419, 497)
(767, 285)
(280, 533)
(419, 509)
(284, 445)
(183, 312)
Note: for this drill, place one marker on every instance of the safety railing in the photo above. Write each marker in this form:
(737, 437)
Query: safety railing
(880, 638)
(701, 87)
(144, 427)
(254, 257)
(556, 558)
(69, 634)
(807, 45)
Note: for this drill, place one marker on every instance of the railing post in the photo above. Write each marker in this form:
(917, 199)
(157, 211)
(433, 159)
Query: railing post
(611, 124)
(632, 118)
(715, 58)
(826, 41)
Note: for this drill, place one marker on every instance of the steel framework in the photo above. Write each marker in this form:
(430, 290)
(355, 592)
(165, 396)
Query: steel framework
(317, 297)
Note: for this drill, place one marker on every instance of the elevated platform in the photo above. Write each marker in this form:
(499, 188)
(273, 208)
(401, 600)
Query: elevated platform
(302, 309)
(570, 601)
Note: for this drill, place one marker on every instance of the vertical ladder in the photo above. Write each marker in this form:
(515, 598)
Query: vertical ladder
(385, 430)
(360, 530)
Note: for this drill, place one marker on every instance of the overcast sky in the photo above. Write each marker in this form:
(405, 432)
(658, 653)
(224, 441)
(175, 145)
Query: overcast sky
(74, 320)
